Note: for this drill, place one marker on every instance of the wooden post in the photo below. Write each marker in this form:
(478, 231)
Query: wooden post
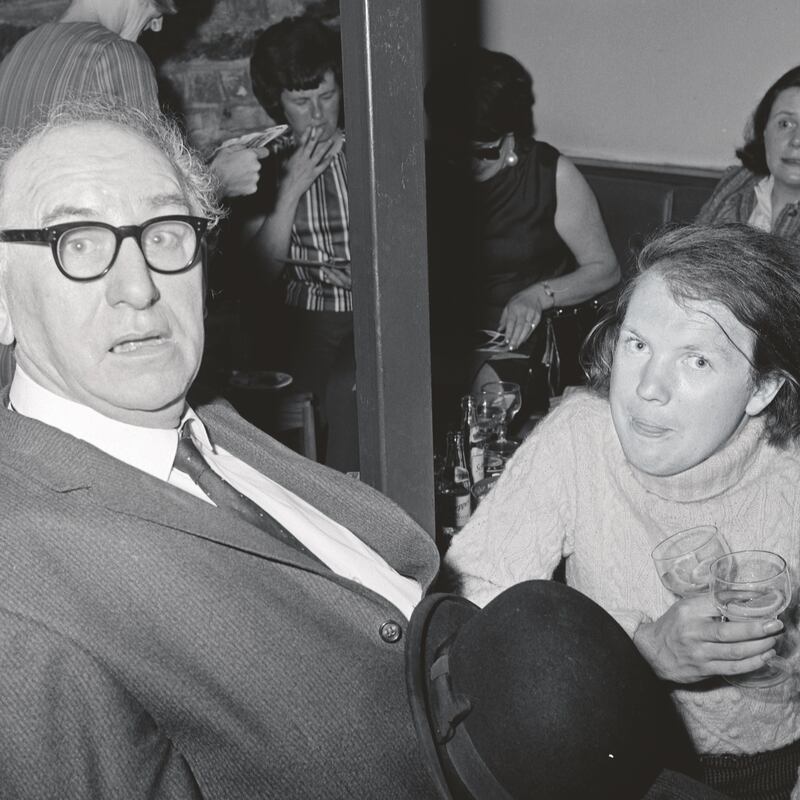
(383, 87)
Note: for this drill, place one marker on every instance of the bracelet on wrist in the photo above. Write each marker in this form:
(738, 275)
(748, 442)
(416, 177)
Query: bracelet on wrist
(549, 292)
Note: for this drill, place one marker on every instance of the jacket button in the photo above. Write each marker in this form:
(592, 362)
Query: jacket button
(391, 632)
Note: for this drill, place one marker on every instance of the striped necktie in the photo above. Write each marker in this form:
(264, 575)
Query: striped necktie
(188, 459)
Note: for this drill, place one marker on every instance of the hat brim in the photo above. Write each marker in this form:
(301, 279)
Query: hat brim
(434, 622)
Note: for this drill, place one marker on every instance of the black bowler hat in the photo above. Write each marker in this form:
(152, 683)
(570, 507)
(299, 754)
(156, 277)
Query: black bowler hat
(539, 695)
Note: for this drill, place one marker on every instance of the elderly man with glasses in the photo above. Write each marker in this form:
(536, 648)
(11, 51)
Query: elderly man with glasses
(165, 632)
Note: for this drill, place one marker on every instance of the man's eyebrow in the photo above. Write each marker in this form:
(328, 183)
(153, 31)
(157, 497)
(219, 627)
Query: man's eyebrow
(61, 211)
(168, 199)
(92, 214)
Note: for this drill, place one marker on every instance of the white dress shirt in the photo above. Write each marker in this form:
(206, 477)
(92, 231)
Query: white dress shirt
(152, 450)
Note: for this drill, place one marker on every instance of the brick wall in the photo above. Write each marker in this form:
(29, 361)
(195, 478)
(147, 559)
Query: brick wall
(201, 56)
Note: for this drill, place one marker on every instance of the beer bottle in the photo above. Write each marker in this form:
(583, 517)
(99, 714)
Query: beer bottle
(474, 440)
(453, 499)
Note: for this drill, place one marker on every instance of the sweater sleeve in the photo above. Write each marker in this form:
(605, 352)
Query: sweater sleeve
(523, 528)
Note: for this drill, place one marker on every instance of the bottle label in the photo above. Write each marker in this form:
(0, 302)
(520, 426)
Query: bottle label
(476, 459)
(463, 509)
(461, 475)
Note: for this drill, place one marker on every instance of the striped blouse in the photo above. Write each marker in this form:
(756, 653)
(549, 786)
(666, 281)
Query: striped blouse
(60, 61)
(321, 232)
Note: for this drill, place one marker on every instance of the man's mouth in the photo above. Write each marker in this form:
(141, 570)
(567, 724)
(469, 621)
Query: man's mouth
(137, 343)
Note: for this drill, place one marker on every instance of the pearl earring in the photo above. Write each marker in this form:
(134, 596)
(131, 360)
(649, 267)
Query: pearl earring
(511, 159)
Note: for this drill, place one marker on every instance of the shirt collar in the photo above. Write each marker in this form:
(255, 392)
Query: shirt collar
(761, 216)
(151, 450)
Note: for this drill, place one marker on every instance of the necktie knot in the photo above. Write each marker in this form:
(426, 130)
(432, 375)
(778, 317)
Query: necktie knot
(190, 460)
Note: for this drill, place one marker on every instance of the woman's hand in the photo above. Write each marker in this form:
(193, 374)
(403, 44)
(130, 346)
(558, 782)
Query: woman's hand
(308, 162)
(689, 643)
(521, 315)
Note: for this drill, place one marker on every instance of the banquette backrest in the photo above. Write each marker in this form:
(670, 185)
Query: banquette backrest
(636, 200)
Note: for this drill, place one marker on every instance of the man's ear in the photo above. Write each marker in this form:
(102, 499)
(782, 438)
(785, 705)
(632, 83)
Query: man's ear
(156, 24)
(764, 393)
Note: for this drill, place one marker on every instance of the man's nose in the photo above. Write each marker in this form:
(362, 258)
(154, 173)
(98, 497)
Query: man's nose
(654, 381)
(130, 281)
(316, 109)
(796, 136)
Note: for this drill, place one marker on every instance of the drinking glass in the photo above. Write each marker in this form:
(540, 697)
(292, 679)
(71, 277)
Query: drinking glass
(683, 560)
(748, 585)
(507, 396)
(489, 414)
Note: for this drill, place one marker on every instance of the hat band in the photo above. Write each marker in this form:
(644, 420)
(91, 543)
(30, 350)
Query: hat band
(450, 712)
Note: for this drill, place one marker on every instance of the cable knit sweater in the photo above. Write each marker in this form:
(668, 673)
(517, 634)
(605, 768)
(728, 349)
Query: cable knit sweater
(570, 491)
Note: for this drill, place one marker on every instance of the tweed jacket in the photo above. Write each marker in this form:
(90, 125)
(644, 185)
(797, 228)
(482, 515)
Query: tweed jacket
(154, 646)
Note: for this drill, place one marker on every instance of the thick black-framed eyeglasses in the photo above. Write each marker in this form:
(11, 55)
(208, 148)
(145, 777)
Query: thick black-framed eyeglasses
(85, 251)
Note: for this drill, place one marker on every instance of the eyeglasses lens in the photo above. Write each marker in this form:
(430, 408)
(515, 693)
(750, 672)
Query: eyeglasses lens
(167, 245)
(86, 252)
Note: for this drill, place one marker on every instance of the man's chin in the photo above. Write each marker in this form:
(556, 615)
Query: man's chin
(150, 403)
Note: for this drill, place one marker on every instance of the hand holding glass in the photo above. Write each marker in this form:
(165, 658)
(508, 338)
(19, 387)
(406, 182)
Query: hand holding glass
(684, 559)
(750, 585)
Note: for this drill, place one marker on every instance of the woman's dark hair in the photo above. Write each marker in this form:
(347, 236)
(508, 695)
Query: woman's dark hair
(293, 55)
(754, 274)
(753, 154)
(482, 97)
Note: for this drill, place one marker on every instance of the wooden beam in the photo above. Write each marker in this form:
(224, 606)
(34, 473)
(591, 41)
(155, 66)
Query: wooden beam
(383, 88)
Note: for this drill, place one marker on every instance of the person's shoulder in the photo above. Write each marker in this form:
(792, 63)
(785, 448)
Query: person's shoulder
(580, 416)
(77, 32)
(34, 41)
(581, 404)
(735, 179)
(108, 41)
(92, 31)
(542, 152)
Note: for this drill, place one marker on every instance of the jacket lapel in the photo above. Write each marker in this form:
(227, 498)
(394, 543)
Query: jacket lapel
(371, 516)
(51, 457)
(66, 464)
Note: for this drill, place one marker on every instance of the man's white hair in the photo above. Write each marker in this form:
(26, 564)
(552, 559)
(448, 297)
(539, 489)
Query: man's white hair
(197, 181)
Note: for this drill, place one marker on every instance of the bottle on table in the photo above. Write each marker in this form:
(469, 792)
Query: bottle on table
(453, 497)
(474, 439)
